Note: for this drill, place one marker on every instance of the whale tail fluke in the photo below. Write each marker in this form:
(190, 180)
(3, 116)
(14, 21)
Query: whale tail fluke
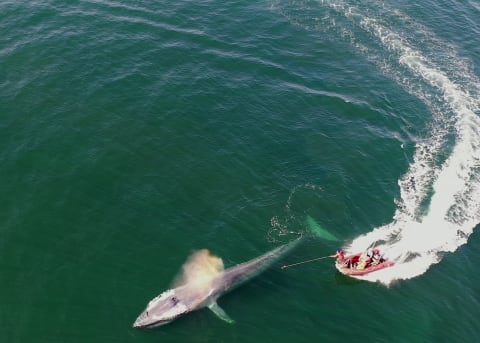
(319, 231)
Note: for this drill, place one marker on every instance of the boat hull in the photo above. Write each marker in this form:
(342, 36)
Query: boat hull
(353, 271)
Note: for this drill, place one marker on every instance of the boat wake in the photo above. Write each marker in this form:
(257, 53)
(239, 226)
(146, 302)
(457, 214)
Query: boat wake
(439, 203)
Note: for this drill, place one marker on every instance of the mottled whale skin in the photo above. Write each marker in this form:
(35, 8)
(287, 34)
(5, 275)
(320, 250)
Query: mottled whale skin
(176, 302)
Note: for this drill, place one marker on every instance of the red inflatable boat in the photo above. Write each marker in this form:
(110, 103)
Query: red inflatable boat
(360, 263)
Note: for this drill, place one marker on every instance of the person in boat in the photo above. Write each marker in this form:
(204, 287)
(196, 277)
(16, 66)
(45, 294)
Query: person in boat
(365, 259)
(342, 260)
(371, 257)
(377, 257)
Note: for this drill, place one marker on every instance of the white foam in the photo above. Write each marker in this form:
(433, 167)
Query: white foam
(416, 242)
(439, 204)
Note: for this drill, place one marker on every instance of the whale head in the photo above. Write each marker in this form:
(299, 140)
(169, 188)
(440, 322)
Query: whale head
(161, 310)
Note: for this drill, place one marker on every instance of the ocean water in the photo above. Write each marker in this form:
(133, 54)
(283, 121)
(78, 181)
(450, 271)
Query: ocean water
(133, 133)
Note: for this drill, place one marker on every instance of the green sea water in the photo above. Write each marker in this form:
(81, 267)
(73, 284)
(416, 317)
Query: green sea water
(135, 132)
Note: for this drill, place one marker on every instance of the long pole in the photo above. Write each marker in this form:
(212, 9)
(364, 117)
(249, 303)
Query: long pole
(315, 259)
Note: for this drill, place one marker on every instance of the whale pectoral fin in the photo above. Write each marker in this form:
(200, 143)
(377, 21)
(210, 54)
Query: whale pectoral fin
(220, 313)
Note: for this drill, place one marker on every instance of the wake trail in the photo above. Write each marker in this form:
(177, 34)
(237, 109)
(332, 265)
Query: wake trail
(417, 239)
(439, 203)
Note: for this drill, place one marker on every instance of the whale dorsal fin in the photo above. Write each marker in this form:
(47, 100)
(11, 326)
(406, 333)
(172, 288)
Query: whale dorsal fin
(220, 312)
